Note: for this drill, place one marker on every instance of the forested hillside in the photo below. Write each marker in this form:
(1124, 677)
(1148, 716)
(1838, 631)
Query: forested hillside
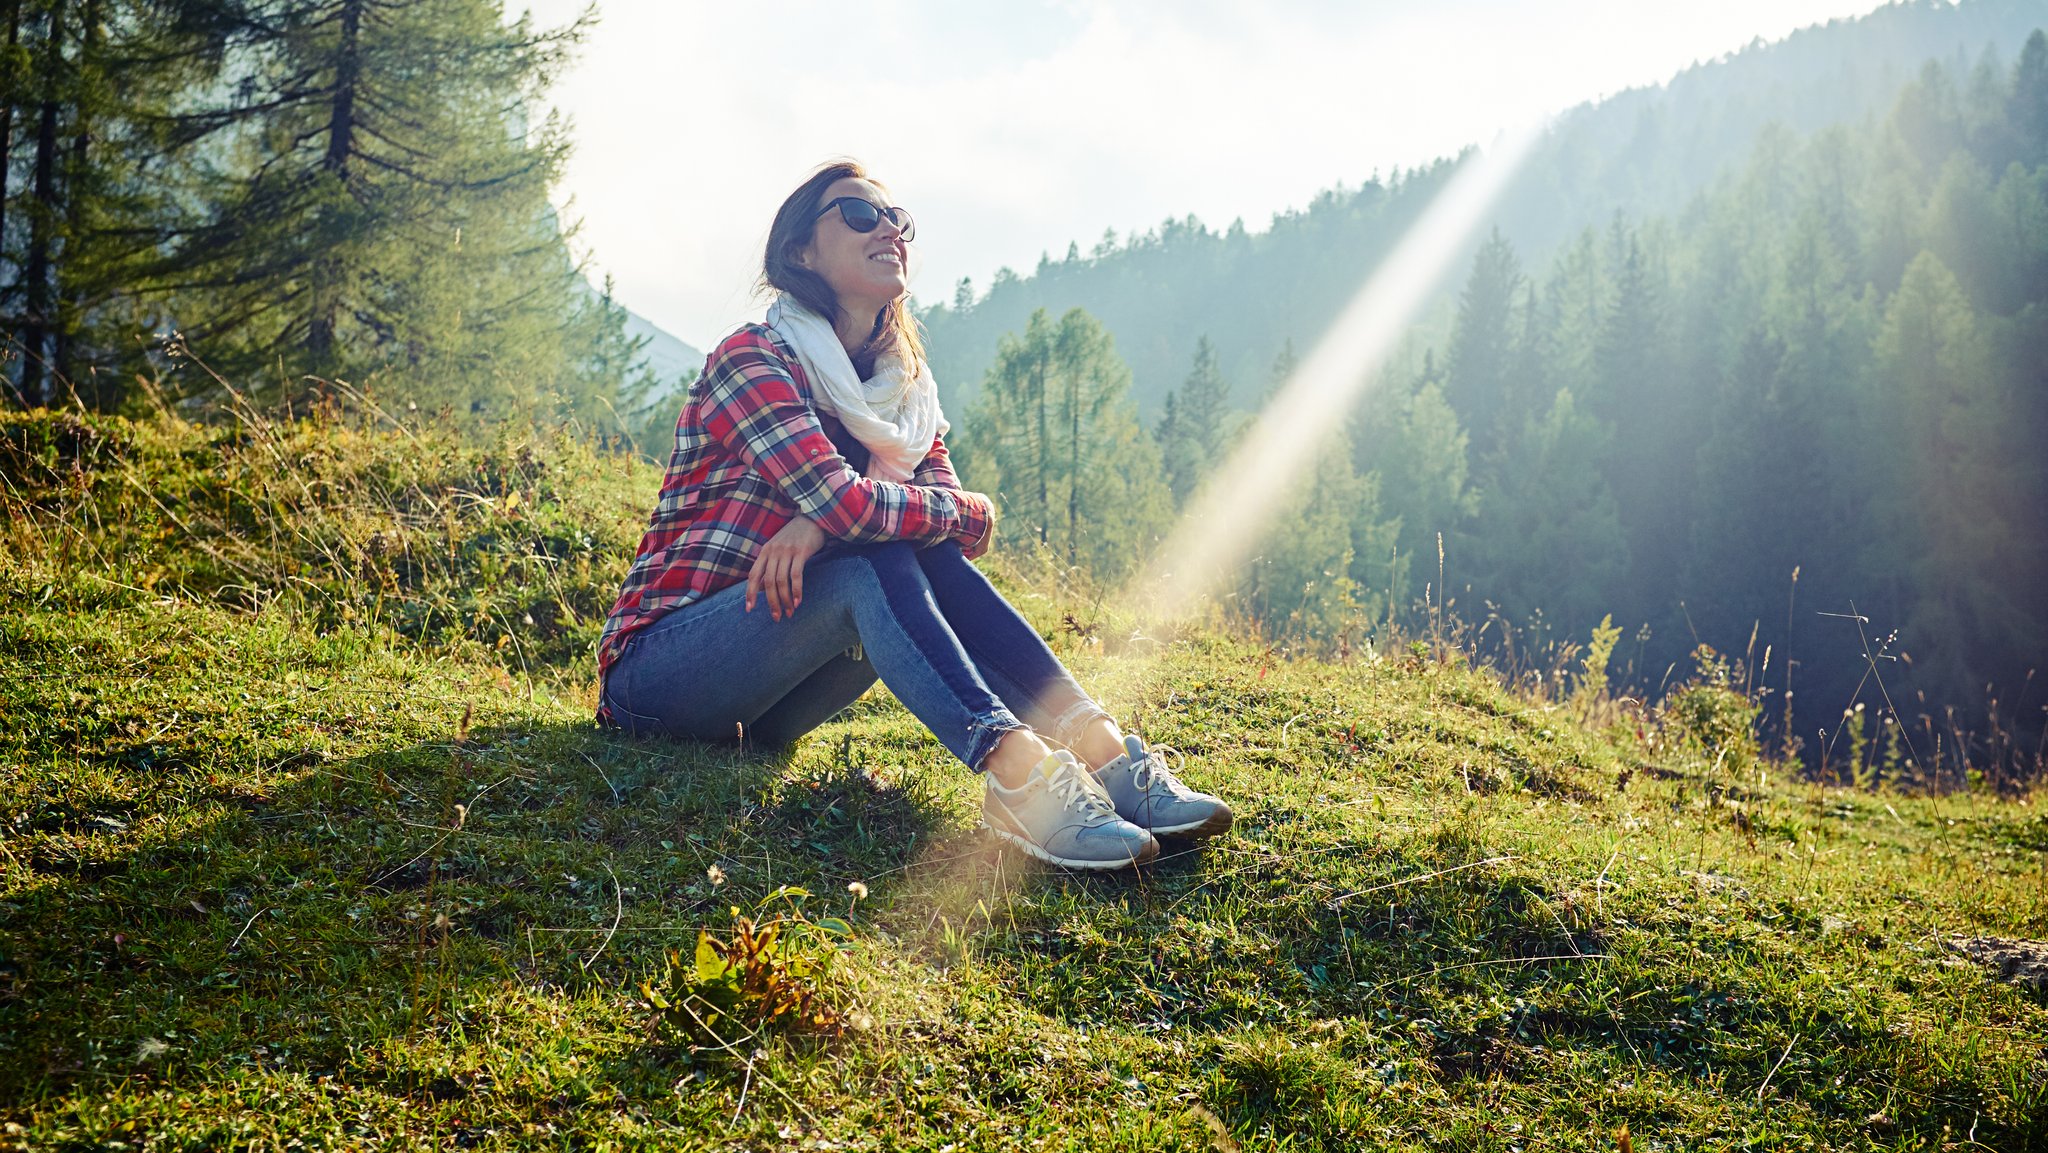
(1642, 152)
(1813, 393)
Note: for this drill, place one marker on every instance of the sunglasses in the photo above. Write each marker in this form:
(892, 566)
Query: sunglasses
(865, 216)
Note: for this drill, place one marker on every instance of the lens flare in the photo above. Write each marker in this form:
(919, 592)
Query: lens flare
(1234, 512)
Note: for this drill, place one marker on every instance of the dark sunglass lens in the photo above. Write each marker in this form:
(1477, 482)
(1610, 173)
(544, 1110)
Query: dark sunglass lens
(859, 215)
(902, 222)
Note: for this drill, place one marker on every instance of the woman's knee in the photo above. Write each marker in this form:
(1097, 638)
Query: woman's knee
(945, 562)
(891, 562)
(945, 565)
(946, 552)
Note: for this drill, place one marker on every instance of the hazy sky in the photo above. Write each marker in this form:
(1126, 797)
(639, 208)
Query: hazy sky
(1010, 127)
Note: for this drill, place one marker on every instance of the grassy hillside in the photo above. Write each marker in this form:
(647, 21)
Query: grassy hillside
(286, 862)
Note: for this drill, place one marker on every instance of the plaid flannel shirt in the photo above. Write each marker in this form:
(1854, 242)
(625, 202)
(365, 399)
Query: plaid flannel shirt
(751, 454)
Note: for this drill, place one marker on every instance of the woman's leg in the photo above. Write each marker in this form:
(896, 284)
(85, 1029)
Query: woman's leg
(821, 696)
(713, 670)
(709, 671)
(1014, 659)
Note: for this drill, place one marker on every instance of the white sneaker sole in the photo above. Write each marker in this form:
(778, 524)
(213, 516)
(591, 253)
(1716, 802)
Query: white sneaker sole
(1038, 851)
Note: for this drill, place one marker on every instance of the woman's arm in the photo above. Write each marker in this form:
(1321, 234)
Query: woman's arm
(751, 404)
(936, 471)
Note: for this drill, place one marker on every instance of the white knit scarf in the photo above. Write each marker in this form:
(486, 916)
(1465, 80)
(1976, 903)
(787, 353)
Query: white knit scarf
(895, 413)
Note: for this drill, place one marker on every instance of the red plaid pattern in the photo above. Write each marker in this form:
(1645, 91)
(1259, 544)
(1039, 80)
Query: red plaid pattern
(750, 455)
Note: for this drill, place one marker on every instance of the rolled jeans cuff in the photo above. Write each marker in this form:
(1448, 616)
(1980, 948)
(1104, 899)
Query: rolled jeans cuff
(1066, 726)
(986, 731)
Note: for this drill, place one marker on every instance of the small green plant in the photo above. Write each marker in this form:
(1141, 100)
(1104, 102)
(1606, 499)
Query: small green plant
(761, 975)
(1862, 768)
(1591, 690)
(1711, 717)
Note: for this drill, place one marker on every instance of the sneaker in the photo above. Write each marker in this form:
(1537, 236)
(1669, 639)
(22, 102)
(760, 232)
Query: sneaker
(1061, 816)
(1148, 795)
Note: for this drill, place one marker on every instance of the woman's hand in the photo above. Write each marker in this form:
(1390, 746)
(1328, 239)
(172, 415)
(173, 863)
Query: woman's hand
(778, 571)
(974, 548)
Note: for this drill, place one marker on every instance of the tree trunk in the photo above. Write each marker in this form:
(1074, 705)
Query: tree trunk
(7, 111)
(71, 303)
(1044, 461)
(7, 103)
(341, 128)
(35, 369)
(1073, 466)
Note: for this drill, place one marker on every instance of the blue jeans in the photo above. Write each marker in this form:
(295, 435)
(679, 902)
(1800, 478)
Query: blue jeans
(923, 620)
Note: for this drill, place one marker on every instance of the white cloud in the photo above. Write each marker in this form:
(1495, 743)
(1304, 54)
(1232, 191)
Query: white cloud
(1012, 128)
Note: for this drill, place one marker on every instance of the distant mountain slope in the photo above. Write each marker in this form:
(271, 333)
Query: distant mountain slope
(669, 358)
(1651, 149)
(1641, 152)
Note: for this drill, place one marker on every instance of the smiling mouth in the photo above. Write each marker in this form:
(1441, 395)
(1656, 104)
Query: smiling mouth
(887, 258)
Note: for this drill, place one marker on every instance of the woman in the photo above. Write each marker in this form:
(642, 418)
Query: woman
(811, 536)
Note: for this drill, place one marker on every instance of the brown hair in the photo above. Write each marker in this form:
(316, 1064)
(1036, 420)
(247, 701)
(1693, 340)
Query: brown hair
(796, 222)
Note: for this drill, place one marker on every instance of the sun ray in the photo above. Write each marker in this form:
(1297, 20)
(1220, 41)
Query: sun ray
(1234, 512)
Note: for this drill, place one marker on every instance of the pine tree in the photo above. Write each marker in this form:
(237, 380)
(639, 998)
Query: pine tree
(51, 78)
(1963, 230)
(1054, 435)
(2028, 111)
(1301, 583)
(1192, 434)
(1529, 382)
(1481, 361)
(1282, 371)
(14, 90)
(76, 79)
(1547, 538)
(1639, 393)
(1752, 469)
(1949, 511)
(1418, 447)
(388, 217)
(1576, 301)
(1205, 402)
(1171, 439)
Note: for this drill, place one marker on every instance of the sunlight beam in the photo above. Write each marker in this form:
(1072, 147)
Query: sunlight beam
(1233, 513)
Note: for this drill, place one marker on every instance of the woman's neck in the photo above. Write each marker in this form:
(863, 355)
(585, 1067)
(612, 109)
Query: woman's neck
(853, 331)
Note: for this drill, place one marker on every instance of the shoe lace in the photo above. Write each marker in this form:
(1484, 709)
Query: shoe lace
(1078, 794)
(1154, 769)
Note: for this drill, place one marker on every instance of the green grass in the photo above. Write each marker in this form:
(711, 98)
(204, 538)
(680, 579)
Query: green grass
(240, 907)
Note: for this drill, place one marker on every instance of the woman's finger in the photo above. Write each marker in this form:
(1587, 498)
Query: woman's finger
(796, 584)
(778, 585)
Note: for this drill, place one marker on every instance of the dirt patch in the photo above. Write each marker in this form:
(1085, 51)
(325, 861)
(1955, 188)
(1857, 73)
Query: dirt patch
(2022, 963)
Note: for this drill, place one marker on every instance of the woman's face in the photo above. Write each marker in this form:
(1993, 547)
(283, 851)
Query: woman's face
(866, 269)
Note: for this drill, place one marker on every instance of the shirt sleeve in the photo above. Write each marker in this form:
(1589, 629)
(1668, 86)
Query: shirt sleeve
(754, 408)
(936, 471)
